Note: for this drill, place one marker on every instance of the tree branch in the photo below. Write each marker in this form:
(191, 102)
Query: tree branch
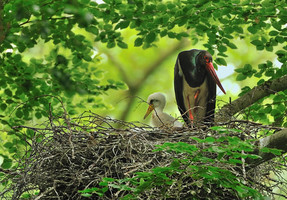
(134, 87)
(119, 67)
(162, 57)
(258, 92)
(277, 141)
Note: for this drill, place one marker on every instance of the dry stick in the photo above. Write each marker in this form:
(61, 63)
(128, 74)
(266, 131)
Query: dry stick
(135, 141)
(258, 92)
(44, 193)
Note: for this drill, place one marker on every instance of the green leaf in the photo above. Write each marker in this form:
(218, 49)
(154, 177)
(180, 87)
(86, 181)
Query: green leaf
(241, 77)
(221, 61)
(234, 161)
(239, 70)
(222, 48)
(275, 112)
(276, 25)
(8, 145)
(276, 152)
(3, 106)
(93, 29)
(122, 45)
(138, 42)
(269, 48)
(232, 46)
(259, 47)
(247, 67)
(281, 53)
(122, 25)
(17, 57)
(86, 195)
(21, 47)
(279, 39)
(210, 139)
(103, 183)
(252, 29)
(163, 33)
(238, 29)
(150, 37)
(108, 179)
(7, 163)
(8, 92)
(19, 113)
(87, 58)
(273, 33)
(268, 109)
(171, 34)
(269, 72)
(217, 149)
(38, 115)
(111, 44)
(89, 190)
(183, 34)
(257, 42)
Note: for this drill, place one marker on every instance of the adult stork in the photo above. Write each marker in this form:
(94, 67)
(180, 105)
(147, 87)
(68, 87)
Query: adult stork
(195, 87)
(157, 103)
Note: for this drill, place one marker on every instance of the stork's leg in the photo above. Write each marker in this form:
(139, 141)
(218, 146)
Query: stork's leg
(189, 109)
(196, 95)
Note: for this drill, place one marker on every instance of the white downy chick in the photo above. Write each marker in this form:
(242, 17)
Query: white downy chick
(157, 103)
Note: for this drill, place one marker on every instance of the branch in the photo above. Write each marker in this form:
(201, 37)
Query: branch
(162, 57)
(277, 141)
(117, 64)
(134, 87)
(258, 92)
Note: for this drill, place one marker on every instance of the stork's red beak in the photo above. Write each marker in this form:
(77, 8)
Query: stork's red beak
(211, 70)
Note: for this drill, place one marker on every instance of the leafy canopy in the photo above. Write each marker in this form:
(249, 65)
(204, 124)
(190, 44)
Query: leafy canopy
(66, 30)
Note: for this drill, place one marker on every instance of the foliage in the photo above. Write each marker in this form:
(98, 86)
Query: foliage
(70, 68)
(67, 69)
(206, 168)
(31, 87)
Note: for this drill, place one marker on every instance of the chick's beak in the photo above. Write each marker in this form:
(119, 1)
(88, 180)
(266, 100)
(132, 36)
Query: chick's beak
(150, 108)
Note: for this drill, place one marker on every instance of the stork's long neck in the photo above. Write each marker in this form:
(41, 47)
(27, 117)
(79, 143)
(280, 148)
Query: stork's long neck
(193, 73)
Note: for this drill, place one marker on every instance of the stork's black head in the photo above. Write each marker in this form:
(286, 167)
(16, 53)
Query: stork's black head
(203, 58)
(195, 66)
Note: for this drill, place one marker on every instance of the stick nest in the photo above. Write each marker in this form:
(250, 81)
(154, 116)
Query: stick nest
(66, 155)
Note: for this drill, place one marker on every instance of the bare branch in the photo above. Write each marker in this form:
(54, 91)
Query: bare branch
(134, 87)
(162, 57)
(258, 92)
(277, 141)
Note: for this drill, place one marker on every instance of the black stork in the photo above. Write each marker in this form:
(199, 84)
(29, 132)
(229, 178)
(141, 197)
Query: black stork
(195, 87)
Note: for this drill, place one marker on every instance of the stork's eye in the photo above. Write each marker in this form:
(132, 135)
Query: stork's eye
(206, 59)
(153, 101)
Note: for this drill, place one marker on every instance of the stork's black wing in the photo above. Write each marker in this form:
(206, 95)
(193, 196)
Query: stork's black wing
(211, 100)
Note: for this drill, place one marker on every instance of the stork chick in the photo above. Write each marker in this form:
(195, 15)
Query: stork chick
(157, 103)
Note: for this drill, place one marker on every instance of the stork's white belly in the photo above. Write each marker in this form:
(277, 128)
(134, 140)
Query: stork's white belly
(198, 111)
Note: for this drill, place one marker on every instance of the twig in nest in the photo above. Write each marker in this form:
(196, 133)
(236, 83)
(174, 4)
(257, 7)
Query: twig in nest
(50, 166)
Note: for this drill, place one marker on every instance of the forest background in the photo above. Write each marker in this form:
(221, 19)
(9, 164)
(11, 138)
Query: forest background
(108, 57)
